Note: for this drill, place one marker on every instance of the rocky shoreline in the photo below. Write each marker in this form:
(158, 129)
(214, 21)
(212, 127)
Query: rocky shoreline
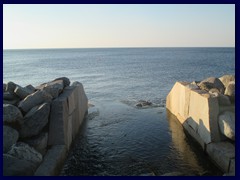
(39, 124)
(206, 109)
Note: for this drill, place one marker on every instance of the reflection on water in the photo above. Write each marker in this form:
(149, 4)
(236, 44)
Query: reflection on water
(118, 139)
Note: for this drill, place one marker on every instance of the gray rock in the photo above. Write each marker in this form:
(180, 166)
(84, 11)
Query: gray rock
(22, 92)
(10, 137)
(11, 114)
(192, 86)
(14, 102)
(226, 79)
(9, 96)
(54, 88)
(76, 83)
(39, 142)
(23, 151)
(33, 100)
(210, 83)
(230, 91)
(65, 80)
(4, 87)
(10, 87)
(34, 121)
(13, 166)
(30, 88)
(226, 122)
(222, 99)
(143, 103)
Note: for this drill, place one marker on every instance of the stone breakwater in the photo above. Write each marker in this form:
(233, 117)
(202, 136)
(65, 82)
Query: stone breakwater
(206, 109)
(39, 124)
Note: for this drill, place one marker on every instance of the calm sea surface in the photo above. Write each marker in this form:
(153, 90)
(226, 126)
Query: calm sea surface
(117, 138)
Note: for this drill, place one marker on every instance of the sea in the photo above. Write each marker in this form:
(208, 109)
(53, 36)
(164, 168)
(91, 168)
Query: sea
(117, 138)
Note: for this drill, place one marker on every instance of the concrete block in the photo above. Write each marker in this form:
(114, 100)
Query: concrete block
(221, 153)
(53, 161)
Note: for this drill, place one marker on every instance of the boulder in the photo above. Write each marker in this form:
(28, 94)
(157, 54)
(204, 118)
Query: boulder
(30, 88)
(226, 79)
(230, 90)
(54, 88)
(11, 115)
(34, 121)
(23, 151)
(222, 99)
(9, 96)
(66, 81)
(226, 122)
(22, 92)
(13, 166)
(39, 142)
(14, 102)
(10, 137)
(4, 87)
(33, 100)
(210, 83)
(10, 87)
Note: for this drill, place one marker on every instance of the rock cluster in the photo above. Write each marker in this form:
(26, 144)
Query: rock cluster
(26, 113)
(223, 89)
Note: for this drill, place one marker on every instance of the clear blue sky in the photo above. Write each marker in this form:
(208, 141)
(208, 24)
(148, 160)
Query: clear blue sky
(80, 26)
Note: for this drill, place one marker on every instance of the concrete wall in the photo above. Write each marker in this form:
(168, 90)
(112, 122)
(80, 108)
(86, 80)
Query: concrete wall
(198, 113)
(66, 117)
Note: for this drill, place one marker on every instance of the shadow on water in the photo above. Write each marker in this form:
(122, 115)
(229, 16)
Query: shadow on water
(189, 149)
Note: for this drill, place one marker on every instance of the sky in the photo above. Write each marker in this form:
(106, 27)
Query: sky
(132, 25)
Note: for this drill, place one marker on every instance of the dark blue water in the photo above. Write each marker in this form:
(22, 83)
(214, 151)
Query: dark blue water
(117, 138)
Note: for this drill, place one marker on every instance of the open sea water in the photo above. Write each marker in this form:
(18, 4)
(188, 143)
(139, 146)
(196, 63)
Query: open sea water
(117, 138)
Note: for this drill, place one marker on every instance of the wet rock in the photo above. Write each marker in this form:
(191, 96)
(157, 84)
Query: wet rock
(35, 120)
(210, 83)
(13, 166)
(11, 115)
(10, 87)
(10, 137)
(22, 92)
(226, 122)
(39, 142)
(54, 88)
(23, 151)
(33, 100)
(226, 79)
(143, 103)
(230, 90)
(66, 81)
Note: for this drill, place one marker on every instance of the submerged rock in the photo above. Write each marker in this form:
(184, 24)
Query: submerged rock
(143, 103)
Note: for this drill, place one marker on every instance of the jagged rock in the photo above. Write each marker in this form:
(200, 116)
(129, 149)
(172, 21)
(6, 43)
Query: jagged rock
(10, 87)
(65, 80)
(230, 90)
(30, 88)
(39, 142)
(226, 122)
(54, 88)
(11, 115)
(192, 86)
(33, 100)
(13, 166)
(10, 137)
(22, 92)
(34, 121)
(210, 83)
(23, 151)
(226, 79)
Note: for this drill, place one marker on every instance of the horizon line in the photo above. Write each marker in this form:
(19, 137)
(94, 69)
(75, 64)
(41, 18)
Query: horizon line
(121, 47)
